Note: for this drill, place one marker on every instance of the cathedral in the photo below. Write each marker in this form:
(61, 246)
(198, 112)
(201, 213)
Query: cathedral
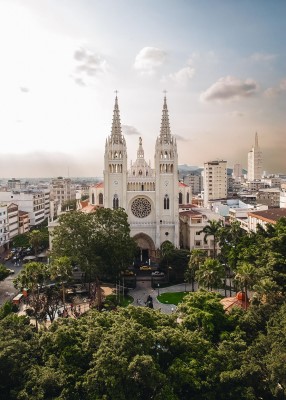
(149, 196)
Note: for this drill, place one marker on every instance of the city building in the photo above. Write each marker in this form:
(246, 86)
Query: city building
(195, 180)
(4, 226)
(192, 223)
(263, 218)
(215, 181)
(62, 190)
(254, 162)
(150, 196)
(32, 201)
(269, 197)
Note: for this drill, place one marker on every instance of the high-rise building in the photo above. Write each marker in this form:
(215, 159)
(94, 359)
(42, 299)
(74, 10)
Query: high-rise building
(254, 171)
(150, 196)
(215, 181)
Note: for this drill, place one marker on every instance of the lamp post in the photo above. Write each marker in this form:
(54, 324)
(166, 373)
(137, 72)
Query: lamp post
(185, 285)
(158, 289)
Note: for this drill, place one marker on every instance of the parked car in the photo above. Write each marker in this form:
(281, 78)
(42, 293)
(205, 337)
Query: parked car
(128, 272)
(145, 268)
(11, 271)
(158, 273)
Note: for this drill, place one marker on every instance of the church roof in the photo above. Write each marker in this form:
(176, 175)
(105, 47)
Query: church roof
(183, 184)
(99, 185)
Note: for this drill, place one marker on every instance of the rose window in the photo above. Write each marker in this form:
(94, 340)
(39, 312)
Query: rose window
(141, 207)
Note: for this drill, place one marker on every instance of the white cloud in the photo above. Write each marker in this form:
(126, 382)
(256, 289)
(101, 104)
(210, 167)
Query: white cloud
(183, 76)
(130, 130)
(277, 90)
(149, 59)
(88, 65)
(263, 57)
(230, 88)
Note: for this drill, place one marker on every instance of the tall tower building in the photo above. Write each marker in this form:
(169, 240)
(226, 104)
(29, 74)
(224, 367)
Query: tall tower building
(148, 195)
(215, 181)
(254, 166)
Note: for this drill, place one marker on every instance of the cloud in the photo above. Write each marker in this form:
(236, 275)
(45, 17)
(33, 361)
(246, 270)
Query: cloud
(89, 65)
(236, 114)
(24, 89)
(263, 57)
(230, 88)
(276, 90)
(183, 76)
(130, 130)
(180, 138)
(149, 59)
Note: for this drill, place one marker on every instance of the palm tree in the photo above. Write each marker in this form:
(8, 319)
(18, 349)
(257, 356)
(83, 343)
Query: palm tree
(197, 257)
(61, 269)
(246, 276)
(212, 229)
(35, 239)
(210, 274)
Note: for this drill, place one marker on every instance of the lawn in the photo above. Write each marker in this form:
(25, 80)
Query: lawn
(123, 302)
(172, 298)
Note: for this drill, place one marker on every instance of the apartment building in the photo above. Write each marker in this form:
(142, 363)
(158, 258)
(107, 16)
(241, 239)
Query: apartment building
(32, 201)
(215, 181)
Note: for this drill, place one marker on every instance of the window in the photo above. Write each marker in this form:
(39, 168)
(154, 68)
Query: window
(180, 198)
(166, 202)
(100, 198)
(92, 198)
(115, 202)
(188, 198)
(197, 242)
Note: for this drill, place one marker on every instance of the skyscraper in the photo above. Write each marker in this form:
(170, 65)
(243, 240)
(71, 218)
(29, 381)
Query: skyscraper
(215, 181)
(254, 167)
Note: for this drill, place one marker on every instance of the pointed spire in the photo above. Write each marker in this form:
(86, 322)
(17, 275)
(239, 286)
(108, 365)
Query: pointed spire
(256, 140)
(116, 132)
(165, 132)
(140, 151)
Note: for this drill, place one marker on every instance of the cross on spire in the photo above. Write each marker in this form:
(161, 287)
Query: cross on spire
(116, 91)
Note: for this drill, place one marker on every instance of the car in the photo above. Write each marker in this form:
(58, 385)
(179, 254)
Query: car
(128, 272)
(11, 271)
(145, 268)
(158, 273)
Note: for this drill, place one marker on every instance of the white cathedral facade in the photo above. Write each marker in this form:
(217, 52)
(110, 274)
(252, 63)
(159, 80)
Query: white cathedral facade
(150, 196)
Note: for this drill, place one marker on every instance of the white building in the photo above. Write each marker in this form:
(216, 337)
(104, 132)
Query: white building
(31, 201)
(215, 181)
(195, 181)
(191, 224)
(263, 218)
(149, 195)
(62, 190)
(283, 199)
(254, 162)
(4, 226)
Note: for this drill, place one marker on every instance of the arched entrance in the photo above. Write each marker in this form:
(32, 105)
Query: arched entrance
(146, 248)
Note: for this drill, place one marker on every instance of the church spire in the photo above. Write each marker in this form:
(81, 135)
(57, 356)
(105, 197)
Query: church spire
(165, 132)
(140, 151)
(116, 132)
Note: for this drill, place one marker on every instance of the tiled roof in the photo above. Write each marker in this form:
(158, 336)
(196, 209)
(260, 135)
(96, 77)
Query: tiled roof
(99, 185)
(273, 214)
(183, 184)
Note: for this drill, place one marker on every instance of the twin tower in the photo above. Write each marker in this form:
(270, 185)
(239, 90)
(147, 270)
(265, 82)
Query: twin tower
(148, 195)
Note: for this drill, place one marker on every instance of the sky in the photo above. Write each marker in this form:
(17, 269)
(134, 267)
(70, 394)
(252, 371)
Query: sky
(222, 64)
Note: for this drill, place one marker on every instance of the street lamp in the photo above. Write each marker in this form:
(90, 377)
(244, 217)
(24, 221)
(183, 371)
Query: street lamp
(158, 288)
(185, 285)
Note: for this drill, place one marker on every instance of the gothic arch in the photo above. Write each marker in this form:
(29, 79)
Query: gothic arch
(145, 243)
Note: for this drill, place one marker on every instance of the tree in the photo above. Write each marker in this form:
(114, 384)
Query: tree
(33, 277)
(212, 229)
(61, 270)
(210, 274)
(35, 240)
(197, 257)
(246, 276)
(99, 243)
(3, 272)
(167, 251)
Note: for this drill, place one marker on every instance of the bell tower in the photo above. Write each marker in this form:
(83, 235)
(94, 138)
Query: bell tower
(115, 164)
(166, 170)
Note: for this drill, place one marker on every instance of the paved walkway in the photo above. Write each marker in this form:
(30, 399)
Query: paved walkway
(144, 289)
